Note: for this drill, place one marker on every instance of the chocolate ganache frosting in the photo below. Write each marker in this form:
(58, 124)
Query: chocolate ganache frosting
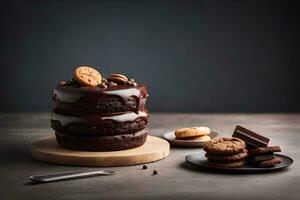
(100, 123)
(70, 120)
(119, 98)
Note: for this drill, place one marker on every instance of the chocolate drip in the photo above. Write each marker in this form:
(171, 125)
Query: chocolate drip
(124, 92)
(94, 119)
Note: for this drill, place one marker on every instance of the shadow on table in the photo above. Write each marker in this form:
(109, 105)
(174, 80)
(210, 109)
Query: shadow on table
(18, 155)
(15, 153)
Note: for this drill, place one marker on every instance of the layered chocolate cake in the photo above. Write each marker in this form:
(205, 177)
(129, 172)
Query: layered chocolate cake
(92, 113)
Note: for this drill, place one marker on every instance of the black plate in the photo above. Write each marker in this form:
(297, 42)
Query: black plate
(200, 160)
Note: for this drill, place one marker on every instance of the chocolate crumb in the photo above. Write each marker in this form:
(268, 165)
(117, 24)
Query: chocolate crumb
(145, 167)
(131, 83)
(72, 83)
(155, 172)
(102, 85)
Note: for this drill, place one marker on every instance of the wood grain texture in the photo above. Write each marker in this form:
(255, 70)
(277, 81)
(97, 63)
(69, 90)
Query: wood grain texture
(48, 150)
(175, 179)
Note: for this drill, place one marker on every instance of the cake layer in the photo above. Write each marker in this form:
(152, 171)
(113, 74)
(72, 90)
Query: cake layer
(119, 98)
(100, 123)
(102, 143)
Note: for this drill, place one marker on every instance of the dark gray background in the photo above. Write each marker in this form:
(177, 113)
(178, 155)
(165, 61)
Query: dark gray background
(194, 56)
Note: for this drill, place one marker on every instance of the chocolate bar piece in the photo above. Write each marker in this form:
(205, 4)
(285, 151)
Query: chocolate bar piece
(263, 157)
(252, 139)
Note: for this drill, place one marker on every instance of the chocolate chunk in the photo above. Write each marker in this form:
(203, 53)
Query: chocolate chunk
(155, 172)
(263, 157)
(251, 138)
(145, 167)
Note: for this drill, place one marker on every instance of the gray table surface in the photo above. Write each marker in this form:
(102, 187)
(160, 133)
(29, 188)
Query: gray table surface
(176, 179)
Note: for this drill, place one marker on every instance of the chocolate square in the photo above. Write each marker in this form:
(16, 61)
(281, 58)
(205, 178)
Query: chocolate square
(251, 138)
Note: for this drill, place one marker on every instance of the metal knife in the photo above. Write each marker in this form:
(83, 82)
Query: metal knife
(44, 178)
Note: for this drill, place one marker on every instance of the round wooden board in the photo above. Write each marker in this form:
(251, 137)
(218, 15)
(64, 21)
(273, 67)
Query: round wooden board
(47, 150)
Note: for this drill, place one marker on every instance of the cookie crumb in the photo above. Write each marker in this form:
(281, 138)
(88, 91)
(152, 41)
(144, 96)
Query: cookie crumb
(104, 81)
(145, 167)
(111, 84)
(102, 85)
(155, 172)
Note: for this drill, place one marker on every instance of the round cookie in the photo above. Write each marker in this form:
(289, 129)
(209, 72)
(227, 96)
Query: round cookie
(191, 132)
(229, 158)
(264, 150)
(269, 163)
(102, 143)
(87, 76)
(226, 164)
(224, 146)
(198, 138)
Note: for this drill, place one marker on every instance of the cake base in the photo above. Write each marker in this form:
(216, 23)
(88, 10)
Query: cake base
(102, 143)
(47, 150)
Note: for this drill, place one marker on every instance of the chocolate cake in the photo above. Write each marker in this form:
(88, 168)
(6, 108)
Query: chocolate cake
(102, 143)
(107, 116)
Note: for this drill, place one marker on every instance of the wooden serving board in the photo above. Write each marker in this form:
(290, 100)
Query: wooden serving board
(47, 150)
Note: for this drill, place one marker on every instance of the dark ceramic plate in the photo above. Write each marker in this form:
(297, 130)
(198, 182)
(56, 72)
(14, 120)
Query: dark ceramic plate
(200, 160)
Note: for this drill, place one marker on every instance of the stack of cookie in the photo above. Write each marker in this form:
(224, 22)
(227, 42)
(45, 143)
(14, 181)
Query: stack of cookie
(92, 113)
(193, 133)
(260, 154)
(264, 156)
(227, 152)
